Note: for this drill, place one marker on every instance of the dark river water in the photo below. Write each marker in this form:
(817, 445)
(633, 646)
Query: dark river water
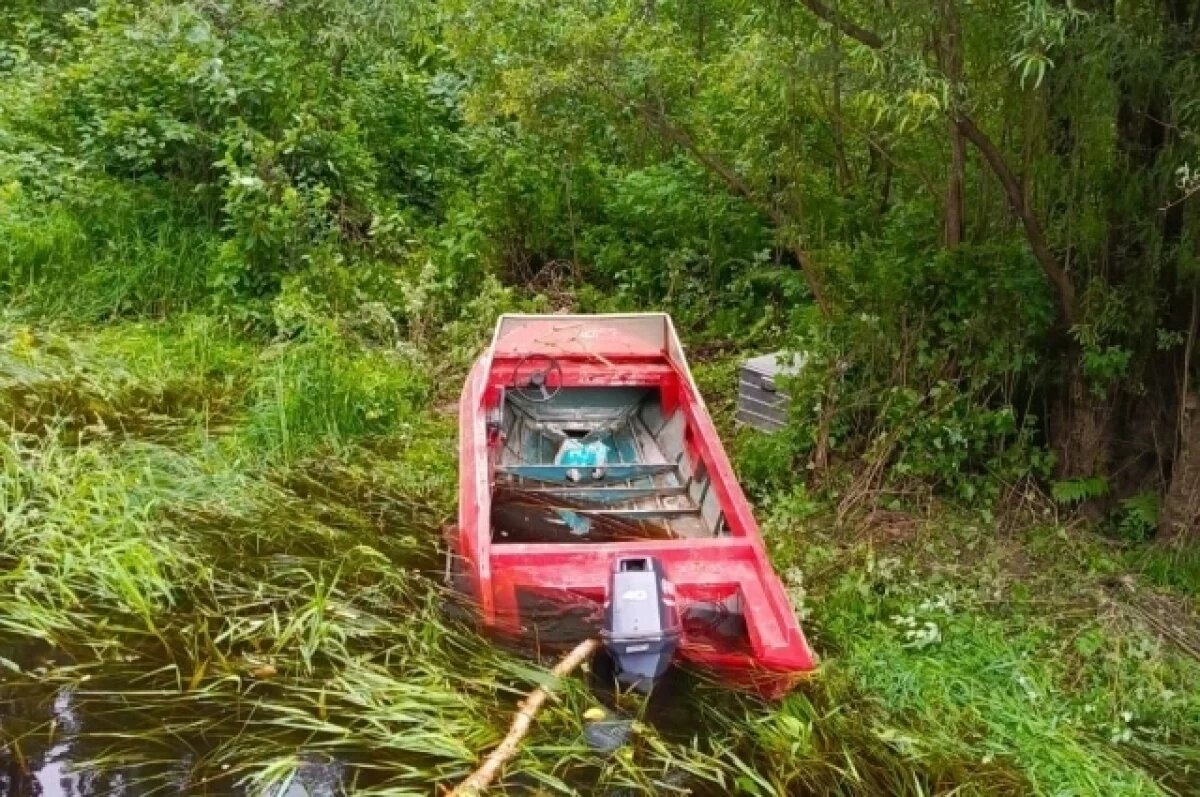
(113, 733)
(75, 743)
(60, 734)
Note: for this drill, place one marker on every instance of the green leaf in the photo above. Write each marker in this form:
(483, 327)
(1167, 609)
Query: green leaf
(1078, 490)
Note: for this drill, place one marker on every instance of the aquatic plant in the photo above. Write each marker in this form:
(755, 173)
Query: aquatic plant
(183, 608)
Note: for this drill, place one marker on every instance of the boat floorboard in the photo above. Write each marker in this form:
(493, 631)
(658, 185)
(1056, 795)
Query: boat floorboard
(640, 477)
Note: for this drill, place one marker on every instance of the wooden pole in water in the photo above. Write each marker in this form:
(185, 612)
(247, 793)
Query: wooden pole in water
(482, 778)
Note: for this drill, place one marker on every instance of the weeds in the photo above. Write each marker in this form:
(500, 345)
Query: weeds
(964, 646)
(123, 252)
(233, 593)
(319, 388)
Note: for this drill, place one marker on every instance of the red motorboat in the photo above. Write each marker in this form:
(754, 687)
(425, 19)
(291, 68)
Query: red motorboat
(595, 497)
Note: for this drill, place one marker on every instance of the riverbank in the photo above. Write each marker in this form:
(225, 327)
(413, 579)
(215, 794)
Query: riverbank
(221, 574)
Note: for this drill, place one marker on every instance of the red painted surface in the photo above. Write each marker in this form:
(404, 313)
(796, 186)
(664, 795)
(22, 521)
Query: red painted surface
(777, 656)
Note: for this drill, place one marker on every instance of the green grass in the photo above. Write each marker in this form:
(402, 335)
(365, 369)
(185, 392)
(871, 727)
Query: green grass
(324, 388)
(123, 251)
(222, 554)
(1173, 568)
(975, 647)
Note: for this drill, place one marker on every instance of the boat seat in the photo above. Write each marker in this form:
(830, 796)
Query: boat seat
(628, 513)
(606, 494)
(610, 473)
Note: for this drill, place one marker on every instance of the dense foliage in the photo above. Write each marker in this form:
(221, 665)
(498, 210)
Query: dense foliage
(976, 219)
(247, 248)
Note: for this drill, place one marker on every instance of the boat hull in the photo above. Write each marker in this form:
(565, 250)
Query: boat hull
(673, 494)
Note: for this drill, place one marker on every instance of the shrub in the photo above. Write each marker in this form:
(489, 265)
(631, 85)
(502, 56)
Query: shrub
(927, 377)
(321, 390)
(247, 122)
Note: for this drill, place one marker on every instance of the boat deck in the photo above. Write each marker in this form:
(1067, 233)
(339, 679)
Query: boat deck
(652, 490)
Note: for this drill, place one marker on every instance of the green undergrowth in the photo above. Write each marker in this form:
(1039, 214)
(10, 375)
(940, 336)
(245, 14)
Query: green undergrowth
(103, 250)
(219, 572)
(1172, 568)
(267, 402)
(1025, 650)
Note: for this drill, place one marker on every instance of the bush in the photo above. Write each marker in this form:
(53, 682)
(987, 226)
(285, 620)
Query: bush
(320, 389)
(927, 377)
(247, 123)
(116, 249)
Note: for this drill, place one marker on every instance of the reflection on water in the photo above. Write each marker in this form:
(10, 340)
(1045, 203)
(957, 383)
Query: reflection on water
(70, 744)
(146, 727)
(103, 742)
(40, 733)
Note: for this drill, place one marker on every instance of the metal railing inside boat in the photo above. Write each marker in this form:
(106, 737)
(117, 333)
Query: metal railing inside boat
(641, 492)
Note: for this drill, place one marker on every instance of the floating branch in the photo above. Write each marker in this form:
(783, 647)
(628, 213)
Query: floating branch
(482, 778)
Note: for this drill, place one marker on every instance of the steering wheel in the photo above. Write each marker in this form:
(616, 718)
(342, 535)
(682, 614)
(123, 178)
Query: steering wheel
(537, 378)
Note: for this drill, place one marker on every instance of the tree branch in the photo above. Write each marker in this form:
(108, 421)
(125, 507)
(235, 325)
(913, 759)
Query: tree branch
(948, 48)
(846, 26)
(736, 183)
(481, 779)
(1014, 188)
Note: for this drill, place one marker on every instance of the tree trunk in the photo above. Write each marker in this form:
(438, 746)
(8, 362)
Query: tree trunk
(1141, 259)
(1179, 521)
(1080, 430)
(839, 134)
(879, 174)
(949, 53)
(955, 206)
(1081, 425)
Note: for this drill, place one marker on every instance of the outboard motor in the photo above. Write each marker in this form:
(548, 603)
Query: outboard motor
(641, 621)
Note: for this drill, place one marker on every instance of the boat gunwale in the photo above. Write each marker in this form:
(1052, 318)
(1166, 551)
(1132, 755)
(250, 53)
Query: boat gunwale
(789, 657)
(559, 550)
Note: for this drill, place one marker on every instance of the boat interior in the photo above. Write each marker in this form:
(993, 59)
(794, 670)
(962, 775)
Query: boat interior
(597, 464)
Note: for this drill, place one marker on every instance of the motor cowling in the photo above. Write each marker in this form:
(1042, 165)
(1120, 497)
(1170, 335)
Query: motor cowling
(642, 627)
